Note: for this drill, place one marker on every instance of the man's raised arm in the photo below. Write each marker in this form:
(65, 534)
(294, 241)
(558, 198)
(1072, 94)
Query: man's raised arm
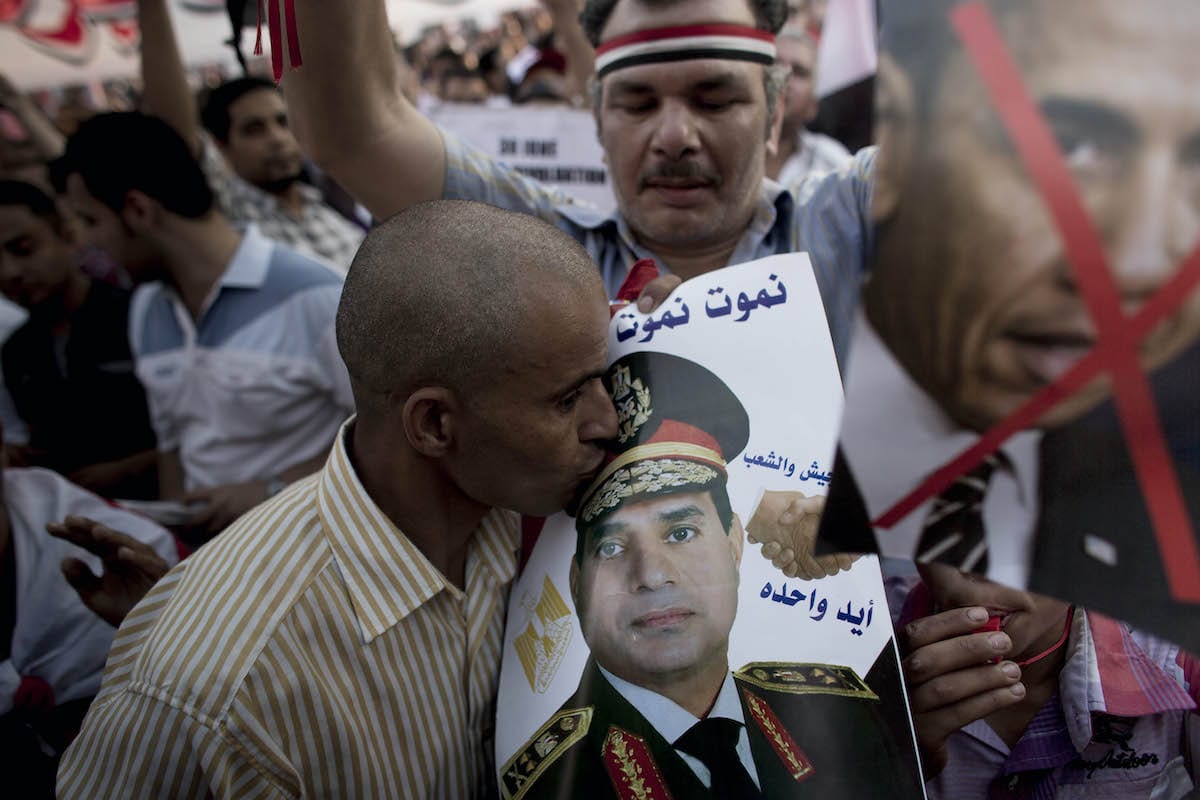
(165, 92)
(349, 115)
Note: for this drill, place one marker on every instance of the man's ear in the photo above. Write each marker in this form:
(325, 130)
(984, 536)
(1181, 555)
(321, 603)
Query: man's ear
(737, 540)
(140, 212)
(573, 583)
(775, 128)
(894, 133)
(429, 416)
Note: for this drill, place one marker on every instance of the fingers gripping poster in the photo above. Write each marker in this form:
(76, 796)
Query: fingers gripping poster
(675, 636)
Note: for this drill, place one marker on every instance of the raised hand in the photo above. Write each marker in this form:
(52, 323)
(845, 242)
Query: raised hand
(130, 567)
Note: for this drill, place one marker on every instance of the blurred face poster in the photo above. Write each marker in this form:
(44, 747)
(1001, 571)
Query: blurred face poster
(1022, 392)
(663, 641)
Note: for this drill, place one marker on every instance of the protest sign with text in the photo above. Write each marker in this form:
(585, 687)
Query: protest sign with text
(656, 616)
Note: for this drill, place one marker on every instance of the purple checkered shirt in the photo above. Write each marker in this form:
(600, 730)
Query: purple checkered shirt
(1122, 724)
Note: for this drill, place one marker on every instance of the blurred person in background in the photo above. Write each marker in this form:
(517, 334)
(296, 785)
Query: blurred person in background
(250, 156)
(57, 615)
(801, 151)
(231, 333)
(68, 370)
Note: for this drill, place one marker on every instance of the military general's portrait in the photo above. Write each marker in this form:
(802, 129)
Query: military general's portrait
(654, 579)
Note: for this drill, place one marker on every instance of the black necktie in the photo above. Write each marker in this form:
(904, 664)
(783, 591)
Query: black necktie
(953, 532)
(714, 741)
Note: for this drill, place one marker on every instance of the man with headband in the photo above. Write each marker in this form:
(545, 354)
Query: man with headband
(655, 581)
(687, 107)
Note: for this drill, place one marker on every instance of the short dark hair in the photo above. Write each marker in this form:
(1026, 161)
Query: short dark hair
(447, 54)
(490, 59)
(40, 204)
(120, 152)
(769, 15)
(460, 72)
(215, 114)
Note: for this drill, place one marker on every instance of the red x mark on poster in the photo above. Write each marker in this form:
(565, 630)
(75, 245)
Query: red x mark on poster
(1116, 352)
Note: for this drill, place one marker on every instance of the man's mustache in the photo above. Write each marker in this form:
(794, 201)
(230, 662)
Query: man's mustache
(679, 171)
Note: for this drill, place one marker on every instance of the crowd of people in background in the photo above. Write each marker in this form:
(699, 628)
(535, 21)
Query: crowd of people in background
(204, 274)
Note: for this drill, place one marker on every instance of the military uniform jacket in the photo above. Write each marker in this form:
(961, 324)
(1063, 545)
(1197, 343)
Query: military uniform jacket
(816, 731)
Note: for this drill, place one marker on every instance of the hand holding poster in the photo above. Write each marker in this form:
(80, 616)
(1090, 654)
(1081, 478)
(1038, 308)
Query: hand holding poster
(1024, 365)
(653, 648)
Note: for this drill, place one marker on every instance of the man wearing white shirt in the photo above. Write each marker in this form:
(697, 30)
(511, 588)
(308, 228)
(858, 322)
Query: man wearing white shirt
(801, 152)
(232, 334)
(53, 646)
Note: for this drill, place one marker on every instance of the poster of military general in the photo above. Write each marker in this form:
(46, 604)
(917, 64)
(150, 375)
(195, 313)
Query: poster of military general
(666, 638)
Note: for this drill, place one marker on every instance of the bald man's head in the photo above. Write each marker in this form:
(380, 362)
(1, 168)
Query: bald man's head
(437, 295)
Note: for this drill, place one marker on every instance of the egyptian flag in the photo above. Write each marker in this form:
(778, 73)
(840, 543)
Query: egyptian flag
(846, 61)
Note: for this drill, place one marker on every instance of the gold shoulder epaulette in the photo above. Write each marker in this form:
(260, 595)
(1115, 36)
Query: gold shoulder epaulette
(543, 748)
(777, 676)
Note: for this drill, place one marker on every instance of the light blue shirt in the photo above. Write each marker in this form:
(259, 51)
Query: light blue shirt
(256, 384)
(826, 216)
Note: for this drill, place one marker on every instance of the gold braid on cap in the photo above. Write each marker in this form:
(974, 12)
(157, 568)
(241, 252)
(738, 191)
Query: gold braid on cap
(642, 471)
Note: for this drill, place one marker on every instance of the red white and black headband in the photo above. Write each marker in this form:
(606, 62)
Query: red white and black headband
(684, 43)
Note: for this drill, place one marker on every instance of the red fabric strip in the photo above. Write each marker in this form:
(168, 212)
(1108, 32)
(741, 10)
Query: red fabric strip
(258, 34)
(681, 31)
(531, 529)
(293, 34)
(642, 272)
(33, 693)
(276, 39)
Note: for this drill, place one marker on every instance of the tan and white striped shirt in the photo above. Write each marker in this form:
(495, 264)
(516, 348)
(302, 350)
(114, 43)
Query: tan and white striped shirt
(310, 650)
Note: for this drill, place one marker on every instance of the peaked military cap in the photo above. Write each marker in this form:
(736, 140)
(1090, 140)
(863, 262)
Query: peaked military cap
(679, 425)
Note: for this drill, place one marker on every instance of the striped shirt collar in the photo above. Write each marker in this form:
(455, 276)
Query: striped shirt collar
(387, 576)
(1116, 671)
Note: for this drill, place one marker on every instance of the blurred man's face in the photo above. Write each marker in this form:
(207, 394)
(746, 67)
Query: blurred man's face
(656, 589)
(973, 293)
(799, 102)
(262, 149)
(103, 228)
(462, 89)
(35, 259)
(684, 141)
